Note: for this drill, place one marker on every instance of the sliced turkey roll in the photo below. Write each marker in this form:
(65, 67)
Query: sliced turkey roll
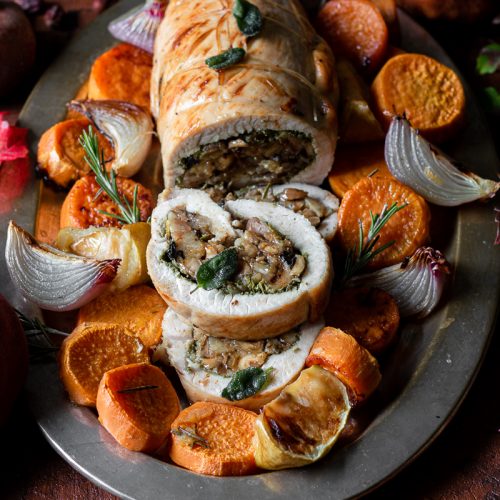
(317, 205)
(269, 118)
(205, 364)
(277, 267)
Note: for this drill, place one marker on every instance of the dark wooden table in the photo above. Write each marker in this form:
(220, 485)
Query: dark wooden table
(463, 462)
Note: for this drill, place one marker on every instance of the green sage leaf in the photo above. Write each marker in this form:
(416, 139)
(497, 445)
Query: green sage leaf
(245, 383)
(493, 98)
(488, 60)
(216, 271)
(248, 17)
(226, 58)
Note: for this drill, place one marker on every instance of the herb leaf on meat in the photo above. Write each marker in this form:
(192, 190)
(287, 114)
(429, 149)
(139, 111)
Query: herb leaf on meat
(488, 61)
(226, 58)
(246, 383)
(248, 17)
(216, 271)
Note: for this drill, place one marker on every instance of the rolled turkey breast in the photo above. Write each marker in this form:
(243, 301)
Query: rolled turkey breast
(282, 267)
(206, 364)
(268, 119)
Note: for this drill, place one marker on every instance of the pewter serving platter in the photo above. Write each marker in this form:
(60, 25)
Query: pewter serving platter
(426, 376)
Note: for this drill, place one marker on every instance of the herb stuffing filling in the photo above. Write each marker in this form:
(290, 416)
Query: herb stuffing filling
(260, 157)
(261, 260)
(227, 356)
(294, 199)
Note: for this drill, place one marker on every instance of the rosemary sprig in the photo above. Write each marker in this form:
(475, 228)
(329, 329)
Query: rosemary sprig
(190, 436)
(358, 258)
(138, 388)
(39, 342)
(107, 182)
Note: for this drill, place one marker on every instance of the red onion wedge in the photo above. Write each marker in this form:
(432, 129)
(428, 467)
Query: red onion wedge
(416, 284)
(414, 162)
(139, 26)
(127, 126)
(52, 279)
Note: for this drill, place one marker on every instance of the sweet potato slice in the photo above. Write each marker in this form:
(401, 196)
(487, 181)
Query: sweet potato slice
(123, 73)
(81, 208)
(353, 163)
(408, 228)
(139, 308)
(136, 404)
(339, 353)
(91, 350)
(427, 92)
(356, 30)
(61, 158)
(370, 315)
(215, 439)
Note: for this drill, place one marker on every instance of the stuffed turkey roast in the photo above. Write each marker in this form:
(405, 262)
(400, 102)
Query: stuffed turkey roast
(269, 118)
(248, 271)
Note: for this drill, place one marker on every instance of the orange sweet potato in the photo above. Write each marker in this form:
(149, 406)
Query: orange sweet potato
(408, 228)
(136, 404)
(123, 73)
(427, 92)
(139, 308)
(91, 350)
(370, 315)
(352, 364)
(81, 208)
(356, 30)
(353, 163)
(215, 439)
(60, 155)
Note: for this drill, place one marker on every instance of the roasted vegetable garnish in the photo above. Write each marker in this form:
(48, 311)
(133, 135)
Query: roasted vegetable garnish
(429, 93)
(341, 354)
(123, 73)
(55, 280)
(138, 308)
(399, 216)
(303, 422)
(214, 439)
(90, 351)
(136, 404)
(61, 159)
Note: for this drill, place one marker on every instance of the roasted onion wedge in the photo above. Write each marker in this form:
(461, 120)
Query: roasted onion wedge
(53, 279)
(126, 125)
(414, 162)
(285, 355)
(302, 424)
(416, 284)
(128, 244)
